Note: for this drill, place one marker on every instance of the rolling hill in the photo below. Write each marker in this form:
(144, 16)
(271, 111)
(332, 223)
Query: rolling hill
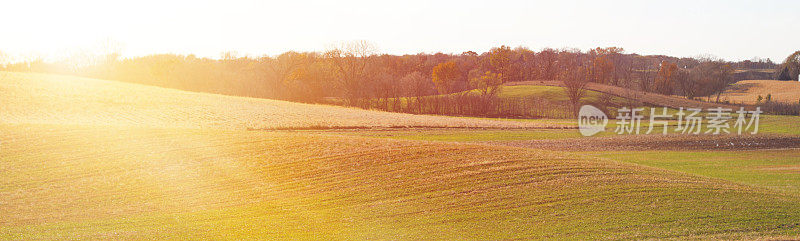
(57, 99)
(747, 91)
(641, 96)
(93, 159)
(142, 183)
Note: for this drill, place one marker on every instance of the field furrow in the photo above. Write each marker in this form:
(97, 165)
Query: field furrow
(82, 182)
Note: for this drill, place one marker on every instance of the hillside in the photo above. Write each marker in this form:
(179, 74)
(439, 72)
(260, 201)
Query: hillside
(58, 99)
(83, 182)
(93, 159)
(747, 91)
(641, 96)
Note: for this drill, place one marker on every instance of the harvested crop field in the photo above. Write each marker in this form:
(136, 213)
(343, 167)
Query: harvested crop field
(57, 99)
(747, 91)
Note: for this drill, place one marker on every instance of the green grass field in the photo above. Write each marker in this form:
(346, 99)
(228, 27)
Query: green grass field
(80, 182)
(135, 175)
(557, 94)
(770, 169)
(552, 93)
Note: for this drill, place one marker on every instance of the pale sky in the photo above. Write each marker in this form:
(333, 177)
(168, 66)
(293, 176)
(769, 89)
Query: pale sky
(734, 30)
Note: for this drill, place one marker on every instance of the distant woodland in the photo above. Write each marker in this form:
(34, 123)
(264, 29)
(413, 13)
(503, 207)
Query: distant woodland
(355, 74)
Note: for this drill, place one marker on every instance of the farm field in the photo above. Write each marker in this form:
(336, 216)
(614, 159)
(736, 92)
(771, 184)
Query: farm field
(771, 126)
(93, 159)
(641, 96)
(776, 170)
(747, 91)
(244, 184)
(385, 120)
(55, 99)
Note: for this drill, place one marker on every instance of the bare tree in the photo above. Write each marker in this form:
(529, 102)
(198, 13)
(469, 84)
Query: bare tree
(527, 59)
(575, 81)
(647, 73)
(714, 76)
(282, 68)
(351, 59)
(417, 85)
(547, 61)
(689, 86)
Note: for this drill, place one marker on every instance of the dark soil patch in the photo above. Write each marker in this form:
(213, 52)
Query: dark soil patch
(659, 142)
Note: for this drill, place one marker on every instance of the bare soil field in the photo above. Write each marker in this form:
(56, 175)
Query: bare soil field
(661, 142)
(747, 91)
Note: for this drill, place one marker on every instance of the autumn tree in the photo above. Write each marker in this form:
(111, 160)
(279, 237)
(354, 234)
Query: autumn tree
(445, 76)
(601, 67)
(605, 65)
(500, 60)
(487, 84)
(664, 81)
(790, 69)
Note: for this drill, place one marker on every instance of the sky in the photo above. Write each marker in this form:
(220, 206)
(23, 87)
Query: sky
(733, 30)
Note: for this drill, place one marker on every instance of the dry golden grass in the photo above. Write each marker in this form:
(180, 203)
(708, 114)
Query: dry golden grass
(747, 91)
(57, 99)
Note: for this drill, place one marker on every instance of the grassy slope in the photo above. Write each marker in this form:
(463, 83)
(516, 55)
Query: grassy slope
(557, 94)
(103, 171)
(552, 93)
(56, 99)
(622, 93)
(773, 169)
(768, 124)
(780, 124)
(83, 182)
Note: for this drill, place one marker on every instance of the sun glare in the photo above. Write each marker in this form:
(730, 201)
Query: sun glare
(404, 120)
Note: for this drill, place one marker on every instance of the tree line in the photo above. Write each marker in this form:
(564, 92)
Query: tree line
(355, 74)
